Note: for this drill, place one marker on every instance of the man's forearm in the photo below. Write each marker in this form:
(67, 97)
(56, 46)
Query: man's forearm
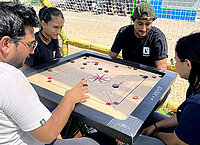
(161, 64)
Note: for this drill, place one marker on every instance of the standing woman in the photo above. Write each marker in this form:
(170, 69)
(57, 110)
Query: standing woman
(52, 21)
(186, 121)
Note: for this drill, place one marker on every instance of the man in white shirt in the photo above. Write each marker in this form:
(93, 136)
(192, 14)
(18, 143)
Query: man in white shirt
(24, 120)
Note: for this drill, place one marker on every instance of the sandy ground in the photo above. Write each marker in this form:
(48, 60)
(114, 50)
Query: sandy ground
(103, 28)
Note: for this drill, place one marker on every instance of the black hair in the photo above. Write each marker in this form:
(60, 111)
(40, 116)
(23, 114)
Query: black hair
(188, 47)
(46, 13)
(13, 19)
(27, 14)
(10, 24)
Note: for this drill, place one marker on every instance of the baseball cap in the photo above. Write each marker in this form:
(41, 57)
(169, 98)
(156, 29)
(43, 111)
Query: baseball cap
(144, 8)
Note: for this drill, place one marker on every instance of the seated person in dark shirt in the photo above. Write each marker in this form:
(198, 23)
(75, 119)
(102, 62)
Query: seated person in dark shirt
(47, 50)
(141, 42)
(183, 127)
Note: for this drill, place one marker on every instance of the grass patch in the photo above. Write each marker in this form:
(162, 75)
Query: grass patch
(165, 111)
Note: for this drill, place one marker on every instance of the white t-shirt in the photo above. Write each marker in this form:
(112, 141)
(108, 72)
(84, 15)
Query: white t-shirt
(20, 108)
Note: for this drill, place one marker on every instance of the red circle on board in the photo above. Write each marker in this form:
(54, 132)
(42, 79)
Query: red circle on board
(108, 103)
(49, 81)
(116, 103)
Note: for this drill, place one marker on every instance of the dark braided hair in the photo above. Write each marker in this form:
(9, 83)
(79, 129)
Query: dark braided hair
(46, 13)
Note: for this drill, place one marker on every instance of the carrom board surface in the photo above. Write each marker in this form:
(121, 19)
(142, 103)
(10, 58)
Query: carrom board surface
(115, 89)
(122, 93)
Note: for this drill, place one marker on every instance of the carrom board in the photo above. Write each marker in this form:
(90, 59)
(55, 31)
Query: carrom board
(118, 89)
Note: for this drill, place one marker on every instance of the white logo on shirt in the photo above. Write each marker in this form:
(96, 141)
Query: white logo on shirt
(146, 51)
(54, 54)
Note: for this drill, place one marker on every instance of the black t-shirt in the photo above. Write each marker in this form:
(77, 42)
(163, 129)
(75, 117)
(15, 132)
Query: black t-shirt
(188, 118)
(146, 50)
(43, 53)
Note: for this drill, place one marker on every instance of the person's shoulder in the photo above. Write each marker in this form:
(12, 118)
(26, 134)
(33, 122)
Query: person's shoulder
(156, 31)
(195, 99)
(156, 34)
(127, 28)
(4, 67)
(7, 69)
(192, 110)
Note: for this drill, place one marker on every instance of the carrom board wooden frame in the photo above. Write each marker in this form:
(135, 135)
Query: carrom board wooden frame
(125, 130)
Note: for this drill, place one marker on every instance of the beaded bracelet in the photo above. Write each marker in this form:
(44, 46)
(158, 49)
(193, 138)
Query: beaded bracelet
(155, 133)
(156, 130)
